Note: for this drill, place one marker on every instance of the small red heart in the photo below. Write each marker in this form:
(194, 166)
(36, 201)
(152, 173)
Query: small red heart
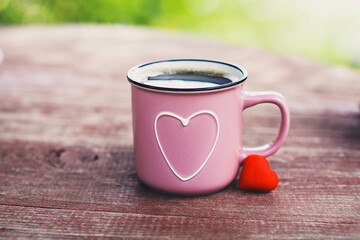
(256, 175)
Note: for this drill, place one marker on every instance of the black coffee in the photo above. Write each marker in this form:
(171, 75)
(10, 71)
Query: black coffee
(187, 80)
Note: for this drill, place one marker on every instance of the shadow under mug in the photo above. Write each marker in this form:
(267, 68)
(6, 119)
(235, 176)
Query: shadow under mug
(187, 141)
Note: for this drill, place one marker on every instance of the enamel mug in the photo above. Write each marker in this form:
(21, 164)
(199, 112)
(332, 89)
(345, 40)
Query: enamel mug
(187, 140)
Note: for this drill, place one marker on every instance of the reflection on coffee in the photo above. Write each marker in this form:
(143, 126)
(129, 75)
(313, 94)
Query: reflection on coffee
(187, 80)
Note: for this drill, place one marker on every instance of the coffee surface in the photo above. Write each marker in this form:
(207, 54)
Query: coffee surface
(186, 80)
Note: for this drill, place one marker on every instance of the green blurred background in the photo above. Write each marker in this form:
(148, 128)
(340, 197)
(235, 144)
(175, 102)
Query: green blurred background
(326, 31)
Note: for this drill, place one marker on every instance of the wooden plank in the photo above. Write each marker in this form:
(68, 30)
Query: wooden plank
(327, 131)
(48, 176)
(72, 223)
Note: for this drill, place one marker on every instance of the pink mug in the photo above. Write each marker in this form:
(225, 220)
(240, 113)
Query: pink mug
(187, 140)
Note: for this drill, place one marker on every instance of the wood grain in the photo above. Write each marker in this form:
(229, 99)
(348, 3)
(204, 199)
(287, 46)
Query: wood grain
(66, 155)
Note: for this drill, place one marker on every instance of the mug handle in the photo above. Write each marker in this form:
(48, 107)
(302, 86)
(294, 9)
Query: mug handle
(254, 98)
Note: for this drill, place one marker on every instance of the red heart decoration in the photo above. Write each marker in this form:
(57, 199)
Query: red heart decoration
(256, 175)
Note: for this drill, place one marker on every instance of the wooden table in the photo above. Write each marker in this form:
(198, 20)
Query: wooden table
(66, 155)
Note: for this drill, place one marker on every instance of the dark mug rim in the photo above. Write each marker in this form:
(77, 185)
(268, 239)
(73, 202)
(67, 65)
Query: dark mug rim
(222, 86)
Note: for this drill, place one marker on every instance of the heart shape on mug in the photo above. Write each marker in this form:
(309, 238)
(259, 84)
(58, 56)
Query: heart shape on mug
(256, 175)
(170, 140)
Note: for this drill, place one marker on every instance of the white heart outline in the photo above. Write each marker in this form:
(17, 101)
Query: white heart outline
(185, 122)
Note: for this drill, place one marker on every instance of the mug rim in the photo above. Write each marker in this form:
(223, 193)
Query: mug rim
(202, 89)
